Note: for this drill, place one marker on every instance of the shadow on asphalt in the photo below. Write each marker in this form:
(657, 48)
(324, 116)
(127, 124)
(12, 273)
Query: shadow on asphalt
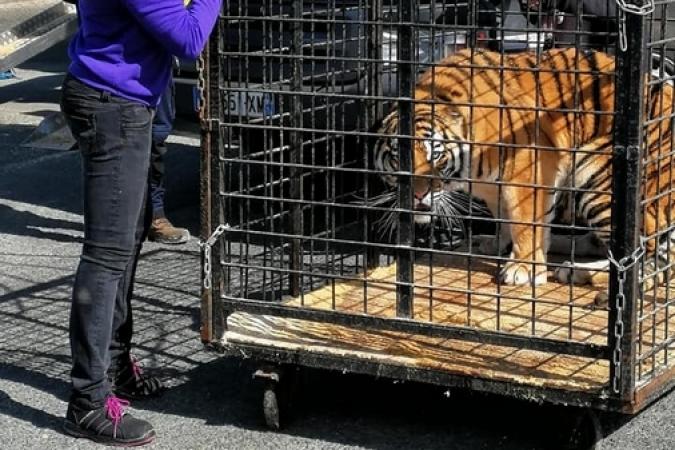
(56, 184)
(45, 89)
(372, 413)
(38, 418)
(220, 391)
(26, 223)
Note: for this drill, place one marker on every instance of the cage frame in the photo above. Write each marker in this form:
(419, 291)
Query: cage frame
(626, 397)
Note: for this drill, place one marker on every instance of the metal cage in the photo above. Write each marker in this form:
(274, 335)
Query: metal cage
(317, 254)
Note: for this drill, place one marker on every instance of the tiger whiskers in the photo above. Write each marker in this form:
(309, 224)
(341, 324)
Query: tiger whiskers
(377, 200)
(387, 222)
(464, 204)
(450, 209)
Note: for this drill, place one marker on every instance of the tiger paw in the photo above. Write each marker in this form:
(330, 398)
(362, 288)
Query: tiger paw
(521, 274)
(566, 275)
(593, 272)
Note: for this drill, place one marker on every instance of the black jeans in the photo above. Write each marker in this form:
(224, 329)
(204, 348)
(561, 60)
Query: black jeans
(114, 137)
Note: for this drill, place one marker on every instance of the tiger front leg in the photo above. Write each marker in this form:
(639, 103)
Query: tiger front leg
(528, 209)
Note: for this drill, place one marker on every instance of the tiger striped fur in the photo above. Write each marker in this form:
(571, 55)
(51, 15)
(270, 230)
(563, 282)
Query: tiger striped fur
(532, 134)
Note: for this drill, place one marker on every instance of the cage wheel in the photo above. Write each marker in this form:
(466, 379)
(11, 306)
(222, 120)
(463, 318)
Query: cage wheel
(586, 431)
(271, 407)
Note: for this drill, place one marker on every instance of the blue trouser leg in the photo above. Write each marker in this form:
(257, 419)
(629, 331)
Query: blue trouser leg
(114, 136)
(161, 129)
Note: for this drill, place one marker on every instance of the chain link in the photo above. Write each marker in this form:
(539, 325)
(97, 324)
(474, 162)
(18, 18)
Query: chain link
(640, 10)
(201, 86)
(627, 262)
(622, 267)
(630, 8)
(206, 247)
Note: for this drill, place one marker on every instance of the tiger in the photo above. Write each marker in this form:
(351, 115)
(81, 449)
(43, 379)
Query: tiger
(531, 135)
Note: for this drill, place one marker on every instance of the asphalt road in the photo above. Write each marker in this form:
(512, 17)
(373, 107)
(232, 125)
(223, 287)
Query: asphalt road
(213, 402)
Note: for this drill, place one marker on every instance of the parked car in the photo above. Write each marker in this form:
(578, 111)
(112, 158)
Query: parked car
(258, 37)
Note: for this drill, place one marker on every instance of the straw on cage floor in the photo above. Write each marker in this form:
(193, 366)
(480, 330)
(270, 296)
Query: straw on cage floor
(446, 294)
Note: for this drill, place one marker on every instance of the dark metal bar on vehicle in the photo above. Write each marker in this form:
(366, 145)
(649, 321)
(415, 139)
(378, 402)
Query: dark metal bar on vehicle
(374, 109)
(206, 177)
(631, 67)
(219, 216)
(296, 120)
(528, 342)
(406, 73)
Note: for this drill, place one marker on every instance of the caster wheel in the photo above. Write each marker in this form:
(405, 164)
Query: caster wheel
(280, 387)
(271, 408)
(586, 431)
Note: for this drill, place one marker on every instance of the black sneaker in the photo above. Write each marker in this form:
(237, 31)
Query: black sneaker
(131, 383)
(107, 424)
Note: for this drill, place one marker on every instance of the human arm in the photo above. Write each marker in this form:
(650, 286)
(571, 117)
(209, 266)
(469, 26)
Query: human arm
(183, 32)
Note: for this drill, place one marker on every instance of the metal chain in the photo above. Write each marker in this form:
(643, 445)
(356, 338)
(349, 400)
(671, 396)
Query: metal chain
(627, 262)
(640, 10)
(201, 86)
(629, 8)
(206, 247)
(622, 267)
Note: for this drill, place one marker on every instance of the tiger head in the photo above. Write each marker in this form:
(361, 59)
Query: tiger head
(440, 162)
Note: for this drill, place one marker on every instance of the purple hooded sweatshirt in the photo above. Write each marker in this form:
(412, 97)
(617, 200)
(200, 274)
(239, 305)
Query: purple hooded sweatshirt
(124, 46)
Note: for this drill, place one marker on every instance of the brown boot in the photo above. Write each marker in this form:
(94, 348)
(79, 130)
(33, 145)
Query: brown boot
(162, 231)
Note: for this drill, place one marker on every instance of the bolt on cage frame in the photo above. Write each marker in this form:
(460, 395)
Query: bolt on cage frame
(291, 90)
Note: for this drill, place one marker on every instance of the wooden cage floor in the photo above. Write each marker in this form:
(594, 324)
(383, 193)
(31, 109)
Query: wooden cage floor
(447, 293)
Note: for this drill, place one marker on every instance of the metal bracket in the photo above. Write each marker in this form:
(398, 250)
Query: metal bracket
(632, 152)
(212, 124)
(629, 152)
(268, 374)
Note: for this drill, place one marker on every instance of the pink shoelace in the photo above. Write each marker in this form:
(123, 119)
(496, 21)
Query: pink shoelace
(115, 409)
(136, 368)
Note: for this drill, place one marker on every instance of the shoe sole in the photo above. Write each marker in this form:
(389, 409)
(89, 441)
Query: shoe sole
(182, 240)
(74, 431)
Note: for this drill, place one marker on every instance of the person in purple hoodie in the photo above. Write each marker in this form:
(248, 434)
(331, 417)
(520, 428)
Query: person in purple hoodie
(121, 61)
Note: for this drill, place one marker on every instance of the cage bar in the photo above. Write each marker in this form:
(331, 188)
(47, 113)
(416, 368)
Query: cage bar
(406, 128)
(625, 209)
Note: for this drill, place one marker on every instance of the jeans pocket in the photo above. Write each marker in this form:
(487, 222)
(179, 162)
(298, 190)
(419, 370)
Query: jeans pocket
(136, 117)
(103, 138)
(83, 129)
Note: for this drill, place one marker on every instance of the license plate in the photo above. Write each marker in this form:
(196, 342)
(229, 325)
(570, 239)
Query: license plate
(249, 104)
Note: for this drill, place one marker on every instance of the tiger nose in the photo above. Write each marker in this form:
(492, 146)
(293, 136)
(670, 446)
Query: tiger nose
(419, 195)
